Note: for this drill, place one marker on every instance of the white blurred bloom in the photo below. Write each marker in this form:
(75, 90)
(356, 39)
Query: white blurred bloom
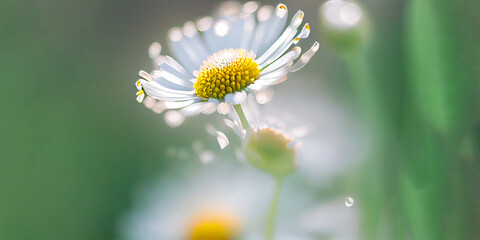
(244, 50)
(226, 203)
(219, 204)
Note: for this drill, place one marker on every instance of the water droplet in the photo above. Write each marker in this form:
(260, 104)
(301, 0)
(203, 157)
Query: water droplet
(349, 201)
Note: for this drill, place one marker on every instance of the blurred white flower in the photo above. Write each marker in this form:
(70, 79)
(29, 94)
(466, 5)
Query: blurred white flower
(244, 50)
(219, 204)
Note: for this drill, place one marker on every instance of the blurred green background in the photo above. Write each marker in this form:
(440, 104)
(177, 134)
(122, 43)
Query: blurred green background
(74, 142)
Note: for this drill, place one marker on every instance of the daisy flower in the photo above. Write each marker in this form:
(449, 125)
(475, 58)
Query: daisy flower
(243, 50)
(216, 204)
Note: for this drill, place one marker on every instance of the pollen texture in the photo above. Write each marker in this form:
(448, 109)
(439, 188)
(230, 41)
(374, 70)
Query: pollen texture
(226, 72)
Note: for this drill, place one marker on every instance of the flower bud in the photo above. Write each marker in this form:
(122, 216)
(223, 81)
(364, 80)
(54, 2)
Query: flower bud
(344, 24)
(270, 151)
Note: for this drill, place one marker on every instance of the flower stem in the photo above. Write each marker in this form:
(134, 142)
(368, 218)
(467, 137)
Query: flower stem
(241, 115)
(272, 211)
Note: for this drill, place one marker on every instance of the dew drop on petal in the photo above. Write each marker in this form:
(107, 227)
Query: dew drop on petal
(222, 140)
(349, 201)
(174, 118)
(206, 157)
(222, 28)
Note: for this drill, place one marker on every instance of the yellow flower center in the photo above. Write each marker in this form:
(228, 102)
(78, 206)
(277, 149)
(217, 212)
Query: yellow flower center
(214, 226)
(226, 72)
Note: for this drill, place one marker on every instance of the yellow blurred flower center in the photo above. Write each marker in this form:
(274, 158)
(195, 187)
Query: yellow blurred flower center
(226, 72)
(214, 226)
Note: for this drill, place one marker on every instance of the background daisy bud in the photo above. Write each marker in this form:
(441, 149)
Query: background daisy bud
(344, 24)
(270, 151)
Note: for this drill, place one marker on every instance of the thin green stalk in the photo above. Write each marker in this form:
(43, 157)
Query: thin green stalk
(272, 211)
(241, 114)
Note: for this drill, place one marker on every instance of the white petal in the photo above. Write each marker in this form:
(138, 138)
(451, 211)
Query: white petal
(138, 85)
(222, 140)
(171, 81)
(222, 108)
(194, 109)
(145, 75)
(286, 37)
(305, 58)
(236, 97)
(229, 123)
(167, 63)
(233, 115)
(285, 59)
(155, 90)
(268, 82)
(180, 104)
(181, 48)
(251, 111)
(271, 29)
(214, 100)
(210, 108)
(140, 97)
(225, 33)
(248, 31)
